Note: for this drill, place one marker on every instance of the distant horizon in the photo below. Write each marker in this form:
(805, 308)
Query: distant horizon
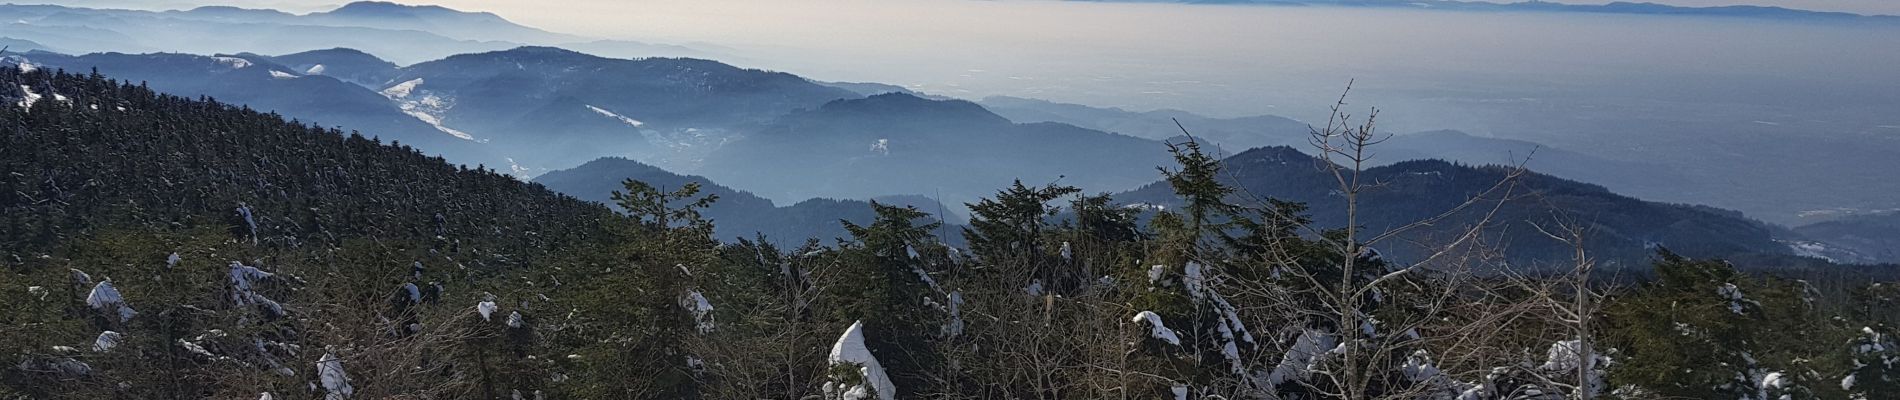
(1863, 7)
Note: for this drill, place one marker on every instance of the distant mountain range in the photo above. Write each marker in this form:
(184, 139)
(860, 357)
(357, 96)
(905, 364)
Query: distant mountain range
(263, 83)
(1620, 7)
(788, 139)
(555, 105)
(527, 110)
(402, 33)
(1232, 135)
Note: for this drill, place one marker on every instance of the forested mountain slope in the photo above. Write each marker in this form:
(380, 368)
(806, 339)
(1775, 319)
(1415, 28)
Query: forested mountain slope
(261, 83)
(1874, 237)
(898, 143)
(738, 214)
(550, 106)
(1623, 229)
(200, 248)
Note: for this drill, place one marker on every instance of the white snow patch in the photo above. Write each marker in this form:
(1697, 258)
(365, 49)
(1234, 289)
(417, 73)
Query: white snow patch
(1418, 367)
(1733, 294)
(244, 210)
(233, 62)
(106, 341)
(486, 308)
(1233, 331)
(414, 293)
(1810, 249)
(275, 74)
(436, 122)
(695, 302)
(610, 114)
(27, 100)
(314, 70)
(1566, 357)
(335, 381)
(194, 348)
(881, 146)
(1774, 380)
(106, 298)
(244, 280)
(402, 90)
(1298, 362)
(1157, 329)
(244, 289)
(871, 381)
(954, 328)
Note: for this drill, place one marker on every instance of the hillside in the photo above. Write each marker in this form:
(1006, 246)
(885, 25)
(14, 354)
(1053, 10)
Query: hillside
(220, 244)
(738, 214)
(1622, 229)
(259, 82)
(550, 107)
(348, 65)
(110, 155)
(901, 144)
(1871, 238)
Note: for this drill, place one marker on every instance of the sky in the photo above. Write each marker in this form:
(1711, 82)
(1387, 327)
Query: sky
(539, 11)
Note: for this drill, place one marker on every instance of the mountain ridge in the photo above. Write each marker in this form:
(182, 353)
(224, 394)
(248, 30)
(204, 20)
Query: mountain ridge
(1616, 7)
(1622, 228)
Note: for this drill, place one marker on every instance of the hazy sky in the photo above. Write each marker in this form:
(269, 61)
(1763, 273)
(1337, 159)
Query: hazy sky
(542, 12)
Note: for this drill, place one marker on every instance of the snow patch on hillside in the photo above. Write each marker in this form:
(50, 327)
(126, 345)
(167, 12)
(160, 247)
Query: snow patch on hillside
(436, 122)
(28, 97)
(275, 74)
(623, 119)
(429, 108)
(233, 62)
(402, 90)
